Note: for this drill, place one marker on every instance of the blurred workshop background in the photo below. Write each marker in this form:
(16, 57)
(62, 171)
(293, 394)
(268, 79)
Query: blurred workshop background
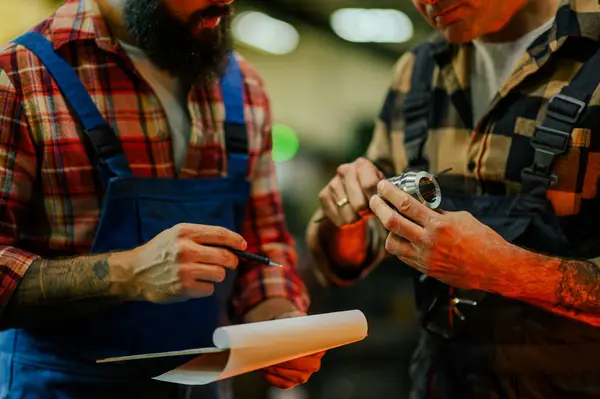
(327, 65)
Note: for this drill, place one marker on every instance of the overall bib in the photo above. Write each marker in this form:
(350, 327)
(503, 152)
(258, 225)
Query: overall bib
(479, 345)
(59, 361)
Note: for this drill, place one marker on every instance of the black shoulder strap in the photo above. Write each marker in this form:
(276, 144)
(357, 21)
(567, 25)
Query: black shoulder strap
(551, 137)
(417, 105)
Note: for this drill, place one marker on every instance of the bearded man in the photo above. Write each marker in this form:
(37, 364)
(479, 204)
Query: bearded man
(135, 150)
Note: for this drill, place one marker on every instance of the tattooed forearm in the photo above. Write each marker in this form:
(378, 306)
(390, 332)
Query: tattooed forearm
(53, 289)
(579, 286)
(570, 288)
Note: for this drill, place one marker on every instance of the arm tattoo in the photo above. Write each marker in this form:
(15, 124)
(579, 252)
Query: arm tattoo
(579, 286)
(54, 289)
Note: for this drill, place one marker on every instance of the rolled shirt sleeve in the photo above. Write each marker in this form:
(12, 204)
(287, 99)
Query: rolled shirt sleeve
(18, 166)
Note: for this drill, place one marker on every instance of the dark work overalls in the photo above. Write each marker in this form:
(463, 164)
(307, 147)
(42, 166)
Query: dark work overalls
(487, 346)
(59, 361)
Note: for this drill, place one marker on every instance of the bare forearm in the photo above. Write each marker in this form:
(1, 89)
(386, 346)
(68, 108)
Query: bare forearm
(63, 288)
(570, 288)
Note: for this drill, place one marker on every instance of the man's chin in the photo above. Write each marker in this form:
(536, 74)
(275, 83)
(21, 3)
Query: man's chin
(459, 33)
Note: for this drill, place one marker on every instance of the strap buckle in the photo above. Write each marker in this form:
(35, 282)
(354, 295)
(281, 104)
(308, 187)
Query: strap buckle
(565, 108)
(550, 140)
(105, 142)
(547, 143)
(529, 175)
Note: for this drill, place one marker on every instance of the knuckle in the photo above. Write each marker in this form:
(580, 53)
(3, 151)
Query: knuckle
(304, 378)
(362, 161)
(179, 229)
(343, 169)
(464, 214)
(220, 275)
(392, 223)
(435, 223)
(404, 205)
(184, 287)
(358, 205)
(335, 182)
(221, 234)
(180, 249)
(225, 258)
(369, 182)
(438, 226)
(390, 244)
(182, 271)
(208, 289)
(323, 194)
(428, 242)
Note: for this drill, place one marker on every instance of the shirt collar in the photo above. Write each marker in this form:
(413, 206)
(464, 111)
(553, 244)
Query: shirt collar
(81, 20)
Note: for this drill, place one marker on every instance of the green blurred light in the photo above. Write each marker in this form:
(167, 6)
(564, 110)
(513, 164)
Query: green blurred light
(285, 143)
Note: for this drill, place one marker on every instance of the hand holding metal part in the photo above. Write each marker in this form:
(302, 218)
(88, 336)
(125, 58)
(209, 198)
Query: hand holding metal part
(419, 184)
(453, 247)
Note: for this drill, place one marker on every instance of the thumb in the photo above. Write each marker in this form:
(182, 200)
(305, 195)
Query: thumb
(289, 315)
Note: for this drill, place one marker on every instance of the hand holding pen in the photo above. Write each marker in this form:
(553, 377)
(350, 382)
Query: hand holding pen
(183, 262)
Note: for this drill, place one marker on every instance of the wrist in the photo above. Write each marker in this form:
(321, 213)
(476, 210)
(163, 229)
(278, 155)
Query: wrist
(270, 309)
(120, 274)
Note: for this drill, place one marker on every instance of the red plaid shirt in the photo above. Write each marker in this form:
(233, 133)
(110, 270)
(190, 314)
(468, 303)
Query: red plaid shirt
(49, 204)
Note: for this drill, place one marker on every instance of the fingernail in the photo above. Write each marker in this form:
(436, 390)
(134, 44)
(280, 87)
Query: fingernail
(381, 186)
(372, 201)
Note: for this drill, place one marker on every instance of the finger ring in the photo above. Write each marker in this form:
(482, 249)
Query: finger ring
(343, 202)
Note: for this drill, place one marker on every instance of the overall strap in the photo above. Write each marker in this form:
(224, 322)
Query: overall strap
(551, 137)
(236, 134)
(416, 107)
(105, 143)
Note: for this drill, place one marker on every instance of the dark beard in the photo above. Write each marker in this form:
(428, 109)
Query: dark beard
(171, 44)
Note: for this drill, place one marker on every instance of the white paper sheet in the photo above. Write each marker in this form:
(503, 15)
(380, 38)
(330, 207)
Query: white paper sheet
(247, 347)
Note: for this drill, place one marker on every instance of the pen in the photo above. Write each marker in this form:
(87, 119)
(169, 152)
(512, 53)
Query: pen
(253, 257)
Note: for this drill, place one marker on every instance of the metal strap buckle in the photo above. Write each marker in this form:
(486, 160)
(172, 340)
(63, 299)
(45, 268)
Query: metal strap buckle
(461, 301)
(555, 111)
(550, 140)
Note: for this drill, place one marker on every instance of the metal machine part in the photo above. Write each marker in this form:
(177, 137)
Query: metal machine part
(421, 185)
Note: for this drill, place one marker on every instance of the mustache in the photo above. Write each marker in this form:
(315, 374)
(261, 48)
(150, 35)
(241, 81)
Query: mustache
(211, 12)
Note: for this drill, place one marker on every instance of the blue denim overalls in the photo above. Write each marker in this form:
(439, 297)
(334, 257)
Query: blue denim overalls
(59, 361)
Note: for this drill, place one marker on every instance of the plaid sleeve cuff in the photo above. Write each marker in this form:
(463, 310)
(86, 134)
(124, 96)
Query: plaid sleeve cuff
(329, 272)
(258, 284)
(13, 265)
